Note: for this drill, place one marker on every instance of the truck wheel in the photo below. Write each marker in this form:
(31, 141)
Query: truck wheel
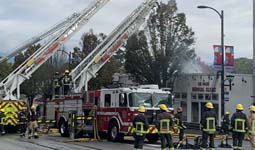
(113, 132)
(63, 128)
(152, 138)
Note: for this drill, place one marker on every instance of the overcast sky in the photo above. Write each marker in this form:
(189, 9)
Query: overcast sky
(22, 19)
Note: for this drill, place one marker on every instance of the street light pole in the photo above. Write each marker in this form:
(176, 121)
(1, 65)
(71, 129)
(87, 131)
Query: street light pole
(222, 57)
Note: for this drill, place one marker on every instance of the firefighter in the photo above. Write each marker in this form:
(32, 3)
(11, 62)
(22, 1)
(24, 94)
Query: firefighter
(33, 125)
(179, 122)
(140, 123)
(164, 124)
(225, 124)
(2, 121)
(225, 128)
(251, 126)
(208, 126)
(66, 82)
(56, 84)
(23, 121)
(239, 127)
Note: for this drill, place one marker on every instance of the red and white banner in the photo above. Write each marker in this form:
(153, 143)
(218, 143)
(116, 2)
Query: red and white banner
(229, 58)
(217, 57)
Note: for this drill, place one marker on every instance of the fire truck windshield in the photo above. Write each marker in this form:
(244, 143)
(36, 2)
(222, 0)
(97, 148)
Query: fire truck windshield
(137, 99)
(148, 99)
(161, 98)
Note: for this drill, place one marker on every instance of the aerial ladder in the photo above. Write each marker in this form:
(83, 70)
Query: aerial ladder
(51, 41)
(96, 59)
(89, 66)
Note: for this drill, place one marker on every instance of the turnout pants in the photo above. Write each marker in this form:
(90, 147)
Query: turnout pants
(205, 136)
(181, 134)
(237, 140)
(252, 138)
(139, 140)
(2, 129)
(166, 138)
(33, 125)
(23, 128)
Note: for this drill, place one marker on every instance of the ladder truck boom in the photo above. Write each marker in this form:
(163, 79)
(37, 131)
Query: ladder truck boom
(56, 39)
(35, 39)
(104, 51)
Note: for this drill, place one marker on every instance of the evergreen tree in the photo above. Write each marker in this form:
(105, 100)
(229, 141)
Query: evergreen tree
(163, 46)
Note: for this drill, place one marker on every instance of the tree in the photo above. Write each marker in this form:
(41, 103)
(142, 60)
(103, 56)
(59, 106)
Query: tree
(162, 48)
(104, 77)
(243, 66)
(5, 69)
(89, 41)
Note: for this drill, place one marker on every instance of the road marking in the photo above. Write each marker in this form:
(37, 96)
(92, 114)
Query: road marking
(153, 145)
(153, 148)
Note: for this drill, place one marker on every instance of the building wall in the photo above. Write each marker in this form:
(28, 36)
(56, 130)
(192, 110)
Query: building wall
(193, 91)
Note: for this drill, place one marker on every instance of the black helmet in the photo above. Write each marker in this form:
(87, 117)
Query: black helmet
(56, 73)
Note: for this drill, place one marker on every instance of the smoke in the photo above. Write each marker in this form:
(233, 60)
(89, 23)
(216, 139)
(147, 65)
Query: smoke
(191, 67)
(196, 66)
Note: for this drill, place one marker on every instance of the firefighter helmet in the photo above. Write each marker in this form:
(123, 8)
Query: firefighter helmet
(252, 108)
(239, 107)
(141, 109)
(67, 71)
(209, 105)
(163, 107)
(227, 113)
(33, 107)
(179, 109)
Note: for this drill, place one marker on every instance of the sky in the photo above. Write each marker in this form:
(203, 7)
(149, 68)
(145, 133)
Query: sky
(23, 19)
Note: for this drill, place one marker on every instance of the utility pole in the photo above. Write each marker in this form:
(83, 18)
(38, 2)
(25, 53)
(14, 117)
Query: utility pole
(253, 51)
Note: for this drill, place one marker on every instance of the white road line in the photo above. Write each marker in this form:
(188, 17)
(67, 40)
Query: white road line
(151, 146)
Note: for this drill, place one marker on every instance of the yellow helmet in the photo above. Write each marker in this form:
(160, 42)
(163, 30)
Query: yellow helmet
(239, 107)
(24, 108)
(209, 105)
(227, 113)
(141, 109)
(163, 107)
(2, 110)
(33, 107)
(252, 108)
(66, 71)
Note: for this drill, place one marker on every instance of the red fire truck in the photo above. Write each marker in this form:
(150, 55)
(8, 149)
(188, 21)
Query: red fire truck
(115, 110)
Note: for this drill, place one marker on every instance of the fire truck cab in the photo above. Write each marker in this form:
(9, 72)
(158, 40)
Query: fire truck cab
(117, 107)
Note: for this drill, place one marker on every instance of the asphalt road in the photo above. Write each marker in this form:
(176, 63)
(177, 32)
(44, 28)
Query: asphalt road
(55, 142)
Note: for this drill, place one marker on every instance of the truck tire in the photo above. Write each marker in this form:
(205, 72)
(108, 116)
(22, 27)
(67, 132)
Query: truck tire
(63, 128)
(114, 134)
(152, 138)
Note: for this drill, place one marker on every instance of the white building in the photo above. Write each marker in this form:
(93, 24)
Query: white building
(193, 91)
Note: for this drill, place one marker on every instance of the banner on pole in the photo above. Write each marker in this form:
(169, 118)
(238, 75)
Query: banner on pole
(229, 58)
(217, 57)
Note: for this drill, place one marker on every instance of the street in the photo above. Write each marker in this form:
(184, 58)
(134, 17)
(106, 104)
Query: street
(55, 142)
